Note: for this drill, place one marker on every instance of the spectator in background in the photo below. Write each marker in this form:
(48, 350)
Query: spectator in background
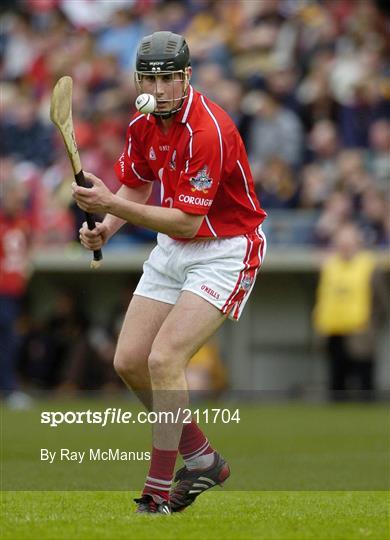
(66, 351)
(324, 147)
(228, 93)
(229, 98)
(18, 53)
(15, 244)
(350, 164)
(65, 336)
(358, 75)
(173, 14)
(278, 188)
(360, 99)
(354, 179)
(90, 14)
(350, 306)
(259, 38)
(210, 78)
(274, 132)
(281, 81)
(208, 33)
(372, 218)
(318, 31)
(313, 92)
(338, 210)
(314, 191)
(121, 37)
(377, 157)
(24, 136)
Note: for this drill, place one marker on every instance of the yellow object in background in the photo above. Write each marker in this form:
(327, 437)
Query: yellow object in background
(205, 370)
(344, 296)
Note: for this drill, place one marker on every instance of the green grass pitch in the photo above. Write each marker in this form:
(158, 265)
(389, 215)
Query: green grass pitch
(215, 515)
(318, 472)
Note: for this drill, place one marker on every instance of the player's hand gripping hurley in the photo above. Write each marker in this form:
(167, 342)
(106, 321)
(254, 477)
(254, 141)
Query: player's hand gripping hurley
(61, 116)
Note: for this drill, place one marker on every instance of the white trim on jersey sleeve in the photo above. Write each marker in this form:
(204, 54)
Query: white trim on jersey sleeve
(217, 126)
(190, 146)
(186, 112)
(137, 175)
(246, 185)
(209, 226)
(129, 152)
(136, 119)
(131, 123)
(162, 192)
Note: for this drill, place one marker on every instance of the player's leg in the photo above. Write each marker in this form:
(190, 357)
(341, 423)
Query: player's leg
(338, 367)
(143, 319)
(188, 326)
(142, 322)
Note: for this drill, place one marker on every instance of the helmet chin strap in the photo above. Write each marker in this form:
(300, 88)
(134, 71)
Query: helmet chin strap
(165, 115)
(169, 114)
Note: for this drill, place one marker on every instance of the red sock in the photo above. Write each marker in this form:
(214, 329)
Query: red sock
(159, 479)
(193, 443)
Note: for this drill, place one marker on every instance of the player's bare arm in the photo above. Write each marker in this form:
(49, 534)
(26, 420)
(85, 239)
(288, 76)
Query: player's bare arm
(96, 238)
(99, 198)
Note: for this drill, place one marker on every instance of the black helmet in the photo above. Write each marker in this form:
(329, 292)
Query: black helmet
(163, 51)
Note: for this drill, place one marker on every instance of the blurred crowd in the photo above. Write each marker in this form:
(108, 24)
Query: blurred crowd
(306, 82)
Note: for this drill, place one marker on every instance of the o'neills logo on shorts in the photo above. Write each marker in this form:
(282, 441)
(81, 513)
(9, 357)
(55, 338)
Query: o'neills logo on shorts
(210, 292)
(189, 199)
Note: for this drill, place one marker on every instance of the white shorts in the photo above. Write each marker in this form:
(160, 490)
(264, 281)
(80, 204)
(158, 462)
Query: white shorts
(220, 270)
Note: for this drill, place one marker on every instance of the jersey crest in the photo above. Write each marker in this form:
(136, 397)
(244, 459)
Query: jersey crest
(152, 153)
(201, 182)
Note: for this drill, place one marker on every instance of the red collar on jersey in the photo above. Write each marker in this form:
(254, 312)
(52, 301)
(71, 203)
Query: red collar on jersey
(183, 114)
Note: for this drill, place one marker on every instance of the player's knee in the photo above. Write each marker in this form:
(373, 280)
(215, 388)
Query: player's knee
(120, 365)
(125, 363)
(159, 365)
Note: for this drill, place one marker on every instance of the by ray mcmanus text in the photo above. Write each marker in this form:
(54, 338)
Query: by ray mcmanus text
(92, 454)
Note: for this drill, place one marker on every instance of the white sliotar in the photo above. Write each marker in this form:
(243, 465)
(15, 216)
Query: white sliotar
(145, 103)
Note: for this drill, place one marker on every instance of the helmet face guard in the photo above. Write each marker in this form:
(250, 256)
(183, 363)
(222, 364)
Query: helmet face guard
(149, 81)
(163, 58)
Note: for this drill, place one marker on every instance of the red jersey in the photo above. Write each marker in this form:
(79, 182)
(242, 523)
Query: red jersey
(201, 163)
(14, 245)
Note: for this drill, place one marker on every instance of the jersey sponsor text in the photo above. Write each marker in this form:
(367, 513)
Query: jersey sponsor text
(199, 201)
